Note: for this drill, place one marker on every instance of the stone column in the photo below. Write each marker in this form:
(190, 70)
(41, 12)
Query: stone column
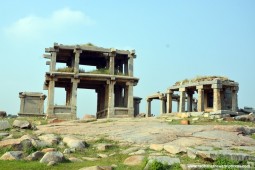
(148, 107)
(131, 63)
(68, 96)
(53, 61)
(189, 101)
(112, 58)
(182, 99)
(77, 52)
(234, 99)
(111, 99)
(216, 97)
(126, 96)
(74, 96)
(51, 91)
(126, 66)
(130, 99)
(169, 101)
(200, 98)
(178, 105)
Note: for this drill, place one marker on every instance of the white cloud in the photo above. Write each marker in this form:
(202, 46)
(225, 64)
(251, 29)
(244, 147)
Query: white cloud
(35, 27)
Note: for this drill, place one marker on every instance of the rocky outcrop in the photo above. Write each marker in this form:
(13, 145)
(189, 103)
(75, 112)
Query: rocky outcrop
(4, 124)
(162, 159)
(50, 139)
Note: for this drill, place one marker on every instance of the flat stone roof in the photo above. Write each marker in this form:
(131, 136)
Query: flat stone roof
(204, 80)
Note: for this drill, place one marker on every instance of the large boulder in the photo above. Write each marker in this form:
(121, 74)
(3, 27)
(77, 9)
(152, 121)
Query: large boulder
(12, 155)
(54, 156)
(4, 124)
(74, 142)
(50, 139)
(22, 124)
(3, 114)
(134, 160)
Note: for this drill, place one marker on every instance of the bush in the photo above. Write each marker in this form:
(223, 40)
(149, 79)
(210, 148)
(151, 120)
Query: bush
(159, 166)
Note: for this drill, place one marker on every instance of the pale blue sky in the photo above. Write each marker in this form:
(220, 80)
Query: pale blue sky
(173, 40)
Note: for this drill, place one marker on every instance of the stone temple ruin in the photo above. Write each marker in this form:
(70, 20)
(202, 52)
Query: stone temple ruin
(113, 79)
(217, 95)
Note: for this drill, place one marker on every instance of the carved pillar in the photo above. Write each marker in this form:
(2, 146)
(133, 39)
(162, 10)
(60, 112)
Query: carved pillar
(131, 63)
(53, 61)
(51, 91)
(178, 105)
(77, 52)
(130, 99)
(112, 58)
(148, 107)
(189, 101)
(216, 97)
(111, 98)
(169, 101)
(182, 99)
(234, 99)
(200, 98)
(68, 95)
(74, 96)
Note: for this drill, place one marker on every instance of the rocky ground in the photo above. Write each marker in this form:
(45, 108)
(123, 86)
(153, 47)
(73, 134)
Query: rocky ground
(140, 140)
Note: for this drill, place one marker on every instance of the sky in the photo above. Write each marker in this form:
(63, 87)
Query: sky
(173, 39)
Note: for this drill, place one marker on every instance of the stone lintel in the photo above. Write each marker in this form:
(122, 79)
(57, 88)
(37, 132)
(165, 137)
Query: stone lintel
(216, 86)
(49, 50)
(182, 89)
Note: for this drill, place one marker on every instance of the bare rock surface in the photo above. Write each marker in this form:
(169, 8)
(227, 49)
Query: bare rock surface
(146, 131)
(50, 139)
(35, 156)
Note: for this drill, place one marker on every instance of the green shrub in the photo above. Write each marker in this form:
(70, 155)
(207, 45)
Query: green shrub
(100, 71)
(159, 166)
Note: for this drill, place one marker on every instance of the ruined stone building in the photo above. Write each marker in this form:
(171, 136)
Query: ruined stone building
(214, 94)
(113, 79)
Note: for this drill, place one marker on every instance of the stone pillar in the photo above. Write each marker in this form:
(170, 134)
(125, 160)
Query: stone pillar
(51, 91)
(148, 107)
(178, 105)
(125, 96)
(130, 99)
(216, 97)
(169, 101)
(131, 63)
(112, 58)
(182, 99)
(234, 99)
(111, 99)
(126, 66)
(42, 98)
(74, 96)
(68, 95)
(77, 52)
(53, 61)
(189, 101)
(163, 106)
(200, 98)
